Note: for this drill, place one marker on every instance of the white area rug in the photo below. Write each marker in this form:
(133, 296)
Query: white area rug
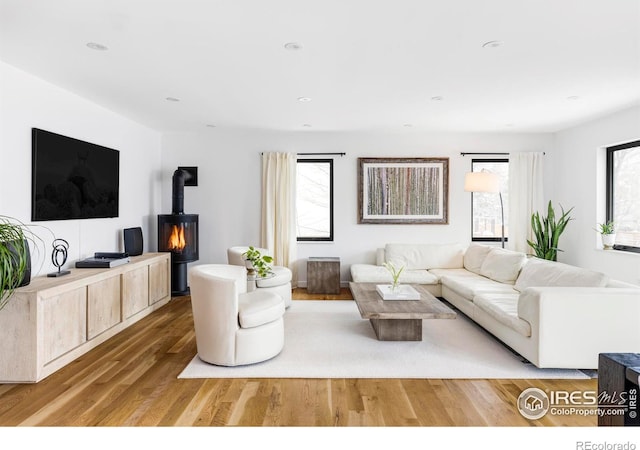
(328, 339)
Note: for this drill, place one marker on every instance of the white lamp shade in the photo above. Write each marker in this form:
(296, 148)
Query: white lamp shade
(481, 182)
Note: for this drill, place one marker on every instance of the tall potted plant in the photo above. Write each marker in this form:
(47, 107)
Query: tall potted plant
(547, 231)
(15, 257)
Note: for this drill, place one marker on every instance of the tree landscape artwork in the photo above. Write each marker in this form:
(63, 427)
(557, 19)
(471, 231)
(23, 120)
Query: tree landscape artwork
(403, 190)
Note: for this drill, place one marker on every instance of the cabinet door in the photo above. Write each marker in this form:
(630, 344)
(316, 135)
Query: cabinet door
(103, 305)
(135, 291)
(64, 322)
(159, 279)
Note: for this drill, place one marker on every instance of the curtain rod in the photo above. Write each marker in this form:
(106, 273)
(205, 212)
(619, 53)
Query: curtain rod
(465, 154)
(318, 154)
(326, 154)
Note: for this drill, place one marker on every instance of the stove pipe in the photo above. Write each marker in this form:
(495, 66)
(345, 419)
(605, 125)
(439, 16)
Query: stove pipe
(177, 192)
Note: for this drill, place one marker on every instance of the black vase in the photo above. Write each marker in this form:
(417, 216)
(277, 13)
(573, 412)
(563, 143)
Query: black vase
(12, 246)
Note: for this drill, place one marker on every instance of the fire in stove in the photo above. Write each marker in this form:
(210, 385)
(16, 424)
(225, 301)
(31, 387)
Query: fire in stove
(178, 234)
(176, 241)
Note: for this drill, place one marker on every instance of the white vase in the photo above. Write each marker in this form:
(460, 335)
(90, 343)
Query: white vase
(608, 240)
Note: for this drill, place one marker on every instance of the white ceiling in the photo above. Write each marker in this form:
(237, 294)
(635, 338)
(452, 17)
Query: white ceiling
(366, 64)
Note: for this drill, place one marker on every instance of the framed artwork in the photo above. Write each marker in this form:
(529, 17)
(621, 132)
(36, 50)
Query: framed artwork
(403, 190)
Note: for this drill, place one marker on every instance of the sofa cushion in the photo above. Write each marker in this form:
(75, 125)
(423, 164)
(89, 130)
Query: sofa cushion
(425, 256)
(539, 272)
(439, 273)
(621, 284)
(503, 308)
(258, 307)
(475, 256)
(502, 265)
(368, 273)
(380, 257)
(470, 286)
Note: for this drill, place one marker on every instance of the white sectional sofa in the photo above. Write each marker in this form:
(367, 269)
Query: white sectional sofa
(555, 315)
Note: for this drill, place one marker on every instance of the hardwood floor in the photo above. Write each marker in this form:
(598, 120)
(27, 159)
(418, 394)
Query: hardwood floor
(131, 380)
(302, 294)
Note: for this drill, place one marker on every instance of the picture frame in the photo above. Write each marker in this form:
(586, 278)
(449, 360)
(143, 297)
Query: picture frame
(403, 190)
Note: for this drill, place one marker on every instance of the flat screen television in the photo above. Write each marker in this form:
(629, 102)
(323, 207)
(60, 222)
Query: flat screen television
(72, 179)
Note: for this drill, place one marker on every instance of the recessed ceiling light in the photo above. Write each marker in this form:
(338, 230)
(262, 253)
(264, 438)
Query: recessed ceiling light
(172, 99)
(573, 97)
(407, 125)
(508, 125)
(96, 46)
(304, 99)
(437, 98)
(293, 46)
(306, 125)
(492, 44)
(210, 125)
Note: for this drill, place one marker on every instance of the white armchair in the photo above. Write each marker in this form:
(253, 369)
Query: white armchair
(280, 283)
(234, 327)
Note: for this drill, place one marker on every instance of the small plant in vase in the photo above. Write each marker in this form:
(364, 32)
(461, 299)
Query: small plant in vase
(395, 274)
(608, 234)
(261, 263)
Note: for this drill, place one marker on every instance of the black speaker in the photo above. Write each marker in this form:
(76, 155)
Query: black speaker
(133, 242)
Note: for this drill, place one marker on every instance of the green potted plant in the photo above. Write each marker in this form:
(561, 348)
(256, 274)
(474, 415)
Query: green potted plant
(547, 231)
(15, 257)
(607, 233)
(261, 263)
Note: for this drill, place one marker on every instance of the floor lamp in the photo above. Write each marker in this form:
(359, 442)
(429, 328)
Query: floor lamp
(485, 181)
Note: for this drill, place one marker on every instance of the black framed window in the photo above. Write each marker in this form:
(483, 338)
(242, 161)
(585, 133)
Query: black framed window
(623, 194)
(314, 200)
(486, 214)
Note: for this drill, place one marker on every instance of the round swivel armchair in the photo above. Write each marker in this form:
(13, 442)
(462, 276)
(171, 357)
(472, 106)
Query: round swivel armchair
(234, 327)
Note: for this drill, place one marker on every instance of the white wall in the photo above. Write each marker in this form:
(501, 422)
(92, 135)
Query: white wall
(228, 196)
(579, 181)
(26, 102)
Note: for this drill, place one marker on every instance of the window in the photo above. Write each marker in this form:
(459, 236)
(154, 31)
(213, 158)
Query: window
(485, 206)
(314, 199)
(623, 192)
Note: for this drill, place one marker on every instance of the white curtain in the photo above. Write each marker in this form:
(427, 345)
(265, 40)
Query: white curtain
(279, 209)
(525, 196)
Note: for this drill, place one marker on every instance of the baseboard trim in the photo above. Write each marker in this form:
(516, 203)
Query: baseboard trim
(304, 284)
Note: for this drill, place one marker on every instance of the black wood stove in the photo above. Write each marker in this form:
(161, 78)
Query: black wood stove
(178, 234)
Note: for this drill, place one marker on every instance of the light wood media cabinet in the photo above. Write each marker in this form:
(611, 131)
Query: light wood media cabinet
(53, 321)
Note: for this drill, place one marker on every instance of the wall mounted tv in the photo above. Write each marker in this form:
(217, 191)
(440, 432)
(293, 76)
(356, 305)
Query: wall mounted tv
(72, 179)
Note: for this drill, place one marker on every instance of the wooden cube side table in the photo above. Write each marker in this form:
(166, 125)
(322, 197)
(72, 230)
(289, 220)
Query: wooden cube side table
(323, 275)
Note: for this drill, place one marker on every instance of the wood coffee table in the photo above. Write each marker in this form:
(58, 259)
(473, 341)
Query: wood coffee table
(398, 320)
